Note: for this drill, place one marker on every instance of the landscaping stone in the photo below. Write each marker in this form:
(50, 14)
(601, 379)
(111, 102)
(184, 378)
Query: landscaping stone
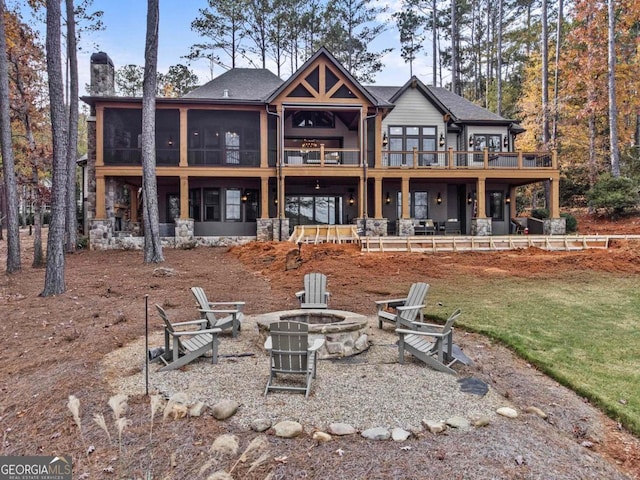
(260, 424)
(321, 437)
(435, 426)
(376, 433)
(481, 421)
(507, 412)
(399, 434)
(458, 422)
(536, 411)
(287, 429)
(341, 429)
(196, 409)
(224, 409)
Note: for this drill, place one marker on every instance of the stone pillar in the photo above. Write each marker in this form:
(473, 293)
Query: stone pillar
(481, 227)
(284, 228)
(405, 227)
(372, 227)
(554, 226)
(184, 233)
(100, 234)
(265, 227)
(102, 76)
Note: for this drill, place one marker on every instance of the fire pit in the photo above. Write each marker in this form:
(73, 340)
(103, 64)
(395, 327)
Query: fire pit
(344, 332)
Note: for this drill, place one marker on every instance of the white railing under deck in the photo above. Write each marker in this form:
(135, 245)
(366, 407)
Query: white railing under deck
(322, 156)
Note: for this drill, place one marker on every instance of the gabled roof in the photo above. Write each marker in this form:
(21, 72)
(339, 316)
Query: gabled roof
(324, 52)
(241, 84)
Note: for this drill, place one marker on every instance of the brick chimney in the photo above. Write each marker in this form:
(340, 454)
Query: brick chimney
(102, 76)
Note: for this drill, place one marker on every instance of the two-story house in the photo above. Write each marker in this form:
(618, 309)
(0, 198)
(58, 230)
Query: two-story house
(249, 156)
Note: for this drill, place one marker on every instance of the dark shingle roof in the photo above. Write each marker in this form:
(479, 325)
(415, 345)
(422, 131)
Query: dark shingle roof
(463, 109)
(247, 84)
(383, 94)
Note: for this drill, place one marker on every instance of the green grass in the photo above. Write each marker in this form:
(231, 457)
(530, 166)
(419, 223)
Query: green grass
(584, 331)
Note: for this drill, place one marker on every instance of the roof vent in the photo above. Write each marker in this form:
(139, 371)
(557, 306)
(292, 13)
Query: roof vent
(225, 93)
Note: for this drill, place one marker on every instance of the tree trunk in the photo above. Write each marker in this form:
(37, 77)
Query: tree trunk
(556, 76)
(54, 277)
(455, 88)
(434, 45)
(152, 245)
(544, 44)
(13, 230)
(71, 226)
(38, 253)
(613, 109)
(499, 55)
(593, 167)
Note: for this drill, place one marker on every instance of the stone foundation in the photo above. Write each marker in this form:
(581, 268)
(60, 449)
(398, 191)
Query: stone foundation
(405, 227)
(555, 226)
(372, 227)
(481, 227)
(267, 229)
(184, 233)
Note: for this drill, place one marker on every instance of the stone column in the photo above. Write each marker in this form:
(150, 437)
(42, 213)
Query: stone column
(405, 227)
(554, 226)
(481, 227)
(100, 234)
(184, 233)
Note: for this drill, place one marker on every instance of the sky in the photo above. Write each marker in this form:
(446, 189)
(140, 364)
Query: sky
(123, 40)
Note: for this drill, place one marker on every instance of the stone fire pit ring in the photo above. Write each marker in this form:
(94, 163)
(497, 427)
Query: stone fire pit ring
(345, 333)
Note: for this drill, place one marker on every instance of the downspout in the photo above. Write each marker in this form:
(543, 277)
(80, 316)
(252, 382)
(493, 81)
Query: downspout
(364, 167)
(278, 170)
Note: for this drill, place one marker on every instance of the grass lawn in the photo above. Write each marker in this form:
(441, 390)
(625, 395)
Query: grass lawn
(583, 330)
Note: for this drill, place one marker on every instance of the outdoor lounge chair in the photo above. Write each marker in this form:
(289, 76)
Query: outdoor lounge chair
(186, 345)
(291, 354)
(518, 228)
(232, 312)
(403, 311)
(437, 352)
(315, 293)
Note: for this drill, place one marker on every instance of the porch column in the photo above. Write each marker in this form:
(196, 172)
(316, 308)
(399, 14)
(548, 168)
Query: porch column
(100, 144)
(377, 194)
(482, 207)
(101, 212)
(264, 197)
(554, 194)
(184, 197)
(512, 205)
(184, 140)
(279, 158)
(264, 140)
(362, 208)
(405, 198)
(133, 203)
(378, 142)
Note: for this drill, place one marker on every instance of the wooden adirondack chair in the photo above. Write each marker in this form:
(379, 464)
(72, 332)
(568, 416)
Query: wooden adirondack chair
(433, 344)
(182, 347)
(232, 312)
(291, 354)
(403, 311)
(315, 293)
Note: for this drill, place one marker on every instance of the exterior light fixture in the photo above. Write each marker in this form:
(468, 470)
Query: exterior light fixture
(439, 199)
(469, 198)
(170, 142)
(385, 140)
(388, 199)
(507, 199)
(441, 139)
(351, 199)
(470, 141)
(317, 187)
(505, 142)
(244, 196)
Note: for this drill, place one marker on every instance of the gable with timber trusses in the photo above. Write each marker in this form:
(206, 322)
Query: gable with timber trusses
(321, 80)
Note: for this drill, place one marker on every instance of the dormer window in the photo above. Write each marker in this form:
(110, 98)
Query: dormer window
(313, 119)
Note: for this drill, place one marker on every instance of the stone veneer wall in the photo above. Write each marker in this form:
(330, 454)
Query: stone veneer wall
(372, 227)
(555, 226)
(481, 227)
(405, 227)
(91, 169)
(184, 233)
(267, 229)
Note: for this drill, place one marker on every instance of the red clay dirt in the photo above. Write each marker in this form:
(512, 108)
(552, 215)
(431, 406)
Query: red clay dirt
(53, 346)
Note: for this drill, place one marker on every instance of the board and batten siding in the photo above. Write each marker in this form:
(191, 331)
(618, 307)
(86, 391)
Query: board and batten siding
(413, 109)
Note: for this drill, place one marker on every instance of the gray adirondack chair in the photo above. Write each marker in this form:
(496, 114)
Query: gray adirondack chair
(315, 294)
(230, 312)
(291, 354)
(431, 343)
(402, 311)
(184, 346)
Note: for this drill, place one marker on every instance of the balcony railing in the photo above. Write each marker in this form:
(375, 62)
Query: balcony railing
(485, 159)
(322, 156)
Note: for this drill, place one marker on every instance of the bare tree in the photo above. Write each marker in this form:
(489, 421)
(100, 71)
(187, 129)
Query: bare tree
(556, 75)
(455, 86)
(71, 226)
(54, 277)
(13, 233)
(613, 110)
(152, 245)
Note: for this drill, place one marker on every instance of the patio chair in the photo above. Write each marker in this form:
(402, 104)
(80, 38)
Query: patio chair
(518, 228)
(437, 353)
(291, 354)
(403, 311)
(315, 293)
(232, 312)
(184, 346)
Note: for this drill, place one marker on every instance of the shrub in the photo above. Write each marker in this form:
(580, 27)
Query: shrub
(540, 213)
(571, 222)
(82, 242)
(613, 194)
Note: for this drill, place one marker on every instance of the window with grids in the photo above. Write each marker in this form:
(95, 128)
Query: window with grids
(406, 138)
